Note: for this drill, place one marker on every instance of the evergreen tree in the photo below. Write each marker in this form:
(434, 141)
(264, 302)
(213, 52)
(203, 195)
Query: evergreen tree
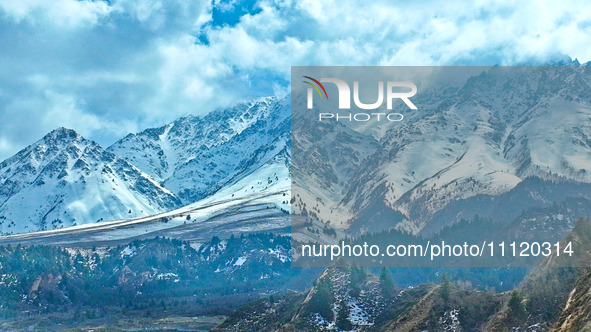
(516, 306)
(343, 321)
(322, 300)
(357, 279)
(387, 283)
(445, 288)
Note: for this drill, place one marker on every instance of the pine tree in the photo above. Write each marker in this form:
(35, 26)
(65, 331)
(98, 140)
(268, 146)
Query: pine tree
(343, 321)
(322, 300)
(516, 306)
(445, 287)
(387, 283)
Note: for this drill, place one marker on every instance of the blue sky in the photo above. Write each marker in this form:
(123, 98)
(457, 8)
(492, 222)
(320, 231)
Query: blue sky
(108, 68)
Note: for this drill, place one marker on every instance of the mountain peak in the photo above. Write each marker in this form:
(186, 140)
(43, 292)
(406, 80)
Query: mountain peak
(63, 130)
(63, 134)
(195, 155)
(54, 182)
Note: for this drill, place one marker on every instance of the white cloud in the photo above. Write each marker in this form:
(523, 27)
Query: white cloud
(6, 146)
(66, 111)
(61, 13)
(431, 33)
(108, 68)
(166, 15)
(224, 5)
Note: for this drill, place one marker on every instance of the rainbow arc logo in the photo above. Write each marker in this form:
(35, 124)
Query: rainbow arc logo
(316, 87)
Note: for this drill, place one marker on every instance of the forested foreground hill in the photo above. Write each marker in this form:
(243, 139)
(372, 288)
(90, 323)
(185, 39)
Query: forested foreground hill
(250, 279)
(43, 286)
(553, 297)
(345, 299)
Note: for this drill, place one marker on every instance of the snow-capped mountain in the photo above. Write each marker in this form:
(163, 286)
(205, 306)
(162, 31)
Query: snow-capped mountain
(64, 179)
(196, 156)
(482, 137)
(258, 202)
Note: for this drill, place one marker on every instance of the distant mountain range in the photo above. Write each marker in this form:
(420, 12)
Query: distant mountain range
(481, 138)
(516, 162)
(470, 144)
(66, 180)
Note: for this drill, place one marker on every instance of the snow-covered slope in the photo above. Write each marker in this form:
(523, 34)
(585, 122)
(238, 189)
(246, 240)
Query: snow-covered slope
(257, 202)
(196, 156)
(482, 137)
(326, 159)
(64, 179)
(499, 131)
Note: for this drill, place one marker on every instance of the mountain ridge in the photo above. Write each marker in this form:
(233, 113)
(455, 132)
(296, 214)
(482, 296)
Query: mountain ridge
(64, 179)
(174, 165)
(482, 137)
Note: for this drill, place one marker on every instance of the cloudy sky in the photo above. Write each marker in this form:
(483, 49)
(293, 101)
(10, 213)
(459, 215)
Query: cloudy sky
(108, 68)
